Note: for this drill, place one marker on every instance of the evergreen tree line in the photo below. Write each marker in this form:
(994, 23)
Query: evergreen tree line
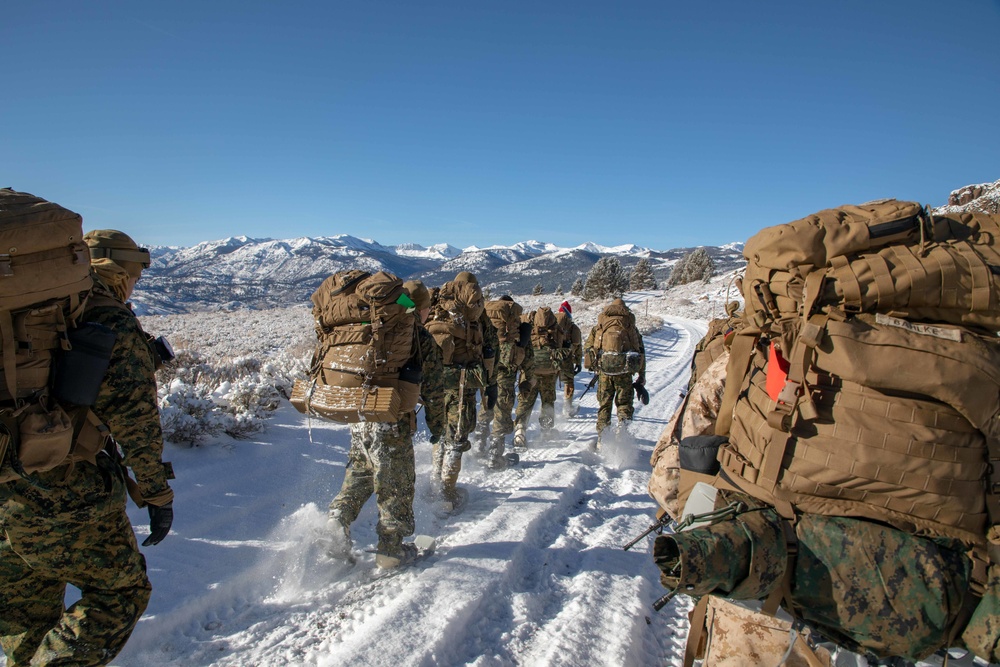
(608, 279)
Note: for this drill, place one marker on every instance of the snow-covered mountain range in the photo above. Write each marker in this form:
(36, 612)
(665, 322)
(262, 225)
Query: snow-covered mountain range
(242, 272)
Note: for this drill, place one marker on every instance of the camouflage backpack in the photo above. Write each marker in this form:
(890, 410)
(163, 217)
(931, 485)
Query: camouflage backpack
(360, 370)
(52, 364)
(616, 343)
(864, 386)
(456, 326)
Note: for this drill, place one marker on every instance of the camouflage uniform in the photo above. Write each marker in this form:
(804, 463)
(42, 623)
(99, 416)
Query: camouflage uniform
(72, 526)
(461, 383)
(617, 388)
(532, 384)
(506, 375)
(572, 354)
(381, 459)
(864, 585)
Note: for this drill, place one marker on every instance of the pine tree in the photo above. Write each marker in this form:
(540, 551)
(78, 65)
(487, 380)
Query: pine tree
(537, 290)
(642, 277)
(696, 265)
(606, 279)
(559, 290)
(577, 288)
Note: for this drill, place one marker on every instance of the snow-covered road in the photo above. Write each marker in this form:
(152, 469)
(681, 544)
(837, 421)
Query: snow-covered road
(531, 573)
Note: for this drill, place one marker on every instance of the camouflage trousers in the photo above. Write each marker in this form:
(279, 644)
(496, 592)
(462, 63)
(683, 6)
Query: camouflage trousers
(460, 414)
(568, 378)
(71, 532)
(380, 462)
(617, 388)
(546, 386)
(503, 424)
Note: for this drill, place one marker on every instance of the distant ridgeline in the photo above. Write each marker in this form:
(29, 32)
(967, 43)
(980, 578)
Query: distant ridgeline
(263, 273)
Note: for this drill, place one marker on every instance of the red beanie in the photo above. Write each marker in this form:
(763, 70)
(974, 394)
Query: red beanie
(566, 308)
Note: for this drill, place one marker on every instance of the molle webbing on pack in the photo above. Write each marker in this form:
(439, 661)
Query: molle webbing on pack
(877, 326)
(506, 317)
(367, 334)
(44, 285)
(455, 326)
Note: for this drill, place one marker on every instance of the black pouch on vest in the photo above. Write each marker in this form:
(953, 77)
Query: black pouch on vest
(411, 373)
(698, 453)
(81, 369)
(524, 334)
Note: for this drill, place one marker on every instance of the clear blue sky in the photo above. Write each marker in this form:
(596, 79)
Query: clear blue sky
(663, 123)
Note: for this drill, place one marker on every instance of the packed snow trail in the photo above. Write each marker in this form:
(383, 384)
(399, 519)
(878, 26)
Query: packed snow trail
(530, 573)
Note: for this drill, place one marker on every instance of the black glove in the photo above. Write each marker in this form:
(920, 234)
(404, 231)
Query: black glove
(435, 439)
(491, 396)
(524, 386)
(577, 368)
(641, 380)
(160, 518)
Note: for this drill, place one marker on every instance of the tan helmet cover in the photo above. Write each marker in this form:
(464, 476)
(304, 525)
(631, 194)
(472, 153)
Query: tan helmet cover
(119, 248)
(418, 293)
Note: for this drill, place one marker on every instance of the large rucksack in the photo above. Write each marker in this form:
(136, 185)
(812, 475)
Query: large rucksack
(505, 314)
(865, 382)
(366, 330)
(506, 317)
(616, 342)
(456, 327)
(546, 341)
(44, 284)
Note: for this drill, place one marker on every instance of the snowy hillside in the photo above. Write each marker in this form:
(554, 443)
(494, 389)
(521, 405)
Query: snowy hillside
(531, 573)
(241, 272)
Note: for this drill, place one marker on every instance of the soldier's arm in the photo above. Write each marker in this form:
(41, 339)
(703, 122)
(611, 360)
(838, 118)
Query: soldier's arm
(577, 338)
(127, 404)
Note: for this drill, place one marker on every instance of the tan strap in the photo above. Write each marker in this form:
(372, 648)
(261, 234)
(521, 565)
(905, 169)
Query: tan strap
(739, 361)
(885, 288)
(949, 288)
(848, 282)
(914, 269)
(783, 593)
(9, 351)
(982, 279)
(807, 651)
(697, 632)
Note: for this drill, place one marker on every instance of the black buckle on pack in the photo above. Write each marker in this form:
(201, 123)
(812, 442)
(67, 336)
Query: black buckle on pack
(5, 269)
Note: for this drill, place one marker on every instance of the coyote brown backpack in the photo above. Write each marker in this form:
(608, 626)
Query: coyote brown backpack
(865, 381)
(366, 333)
(616, 343)
(44, 283)
(506, 317)
(505, 314)
(455, 326)
(546, 341)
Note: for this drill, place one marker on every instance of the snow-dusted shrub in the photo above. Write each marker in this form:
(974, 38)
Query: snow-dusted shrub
(199, 398)
(187, 412)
